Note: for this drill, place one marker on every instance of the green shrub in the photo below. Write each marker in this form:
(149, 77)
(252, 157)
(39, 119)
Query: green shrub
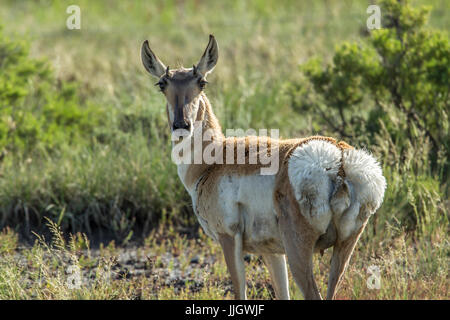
(399, 76)
(35, 108)
(390, 92)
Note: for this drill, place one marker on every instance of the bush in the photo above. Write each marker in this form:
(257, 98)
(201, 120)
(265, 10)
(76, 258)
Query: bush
(399, 76)
(35, 108)
(390, 92)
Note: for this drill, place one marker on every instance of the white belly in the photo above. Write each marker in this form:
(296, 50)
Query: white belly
(247, 201)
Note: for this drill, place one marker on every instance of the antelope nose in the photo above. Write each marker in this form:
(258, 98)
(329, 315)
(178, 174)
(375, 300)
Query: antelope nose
(181, 125)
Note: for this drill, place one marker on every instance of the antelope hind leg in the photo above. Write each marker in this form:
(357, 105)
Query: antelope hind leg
(299, 242)
(342, 252)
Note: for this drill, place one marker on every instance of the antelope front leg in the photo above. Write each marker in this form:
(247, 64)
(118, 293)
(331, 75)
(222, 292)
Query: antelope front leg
(276, 263)
(234, 258)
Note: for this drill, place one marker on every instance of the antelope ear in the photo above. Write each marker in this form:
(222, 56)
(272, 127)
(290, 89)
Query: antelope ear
(151, 62)
(210, 56)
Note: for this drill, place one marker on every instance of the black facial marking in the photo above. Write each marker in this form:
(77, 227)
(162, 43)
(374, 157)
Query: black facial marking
(162, 84)
(202, 83)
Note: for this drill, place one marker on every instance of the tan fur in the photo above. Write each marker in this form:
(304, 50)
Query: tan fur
(284, 148)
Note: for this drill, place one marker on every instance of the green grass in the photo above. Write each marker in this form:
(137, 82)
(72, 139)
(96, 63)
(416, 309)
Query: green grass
(121, 181)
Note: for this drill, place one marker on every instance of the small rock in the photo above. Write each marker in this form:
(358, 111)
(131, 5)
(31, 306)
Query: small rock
(195, 260)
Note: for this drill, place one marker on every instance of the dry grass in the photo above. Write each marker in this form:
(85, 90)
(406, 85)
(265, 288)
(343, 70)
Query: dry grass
(171, 266)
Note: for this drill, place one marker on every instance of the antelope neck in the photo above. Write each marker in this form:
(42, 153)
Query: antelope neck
(191, 173)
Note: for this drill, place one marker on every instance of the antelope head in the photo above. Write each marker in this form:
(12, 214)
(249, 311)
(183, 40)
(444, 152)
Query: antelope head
(181, 87)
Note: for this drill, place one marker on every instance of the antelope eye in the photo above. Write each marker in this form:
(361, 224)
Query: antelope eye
(202, 83)
(161, 84)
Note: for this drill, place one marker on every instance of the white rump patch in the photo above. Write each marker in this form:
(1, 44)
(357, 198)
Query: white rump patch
(317, 153)
(311, 168)
(367, 184)
(366, 176)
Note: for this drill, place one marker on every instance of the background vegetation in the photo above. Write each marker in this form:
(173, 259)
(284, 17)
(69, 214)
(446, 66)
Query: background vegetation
(84, 139)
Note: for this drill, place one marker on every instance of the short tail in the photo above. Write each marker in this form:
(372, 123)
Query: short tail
(340, 198)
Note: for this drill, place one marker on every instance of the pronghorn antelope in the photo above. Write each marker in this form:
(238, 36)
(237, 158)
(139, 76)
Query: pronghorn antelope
(321, 196)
